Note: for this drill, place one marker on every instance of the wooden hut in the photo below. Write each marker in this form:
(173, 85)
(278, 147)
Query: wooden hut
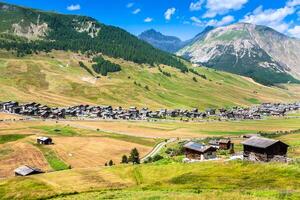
(264, 150)
(196, 151)
(44, 140)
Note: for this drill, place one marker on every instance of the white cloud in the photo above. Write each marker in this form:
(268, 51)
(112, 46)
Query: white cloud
(136, 11)
(271, 17)
(148, 19)
(197, 22)
(194, 6)
(224, 21)
(130, 5)
(293, 3)
(295, 32)
(221, 7)
(169, 13)
(73, 7)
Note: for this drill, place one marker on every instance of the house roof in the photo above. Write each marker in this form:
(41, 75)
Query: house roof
(43, 138)
(197, 147)
(224, 141)
(26, 170)
(260, 142)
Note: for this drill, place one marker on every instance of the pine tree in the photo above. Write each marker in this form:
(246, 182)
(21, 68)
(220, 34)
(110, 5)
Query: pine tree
(134, 156)
(124, 159)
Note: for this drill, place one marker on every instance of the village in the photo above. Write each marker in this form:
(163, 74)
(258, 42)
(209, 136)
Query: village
(108, 112)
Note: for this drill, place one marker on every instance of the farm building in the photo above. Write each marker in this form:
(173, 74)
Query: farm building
(196, 151)
(26, 171)
(44, 140)
(224, 144)
(264, 149)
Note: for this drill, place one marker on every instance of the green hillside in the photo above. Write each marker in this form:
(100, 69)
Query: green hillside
(28, 31)
(58, 79)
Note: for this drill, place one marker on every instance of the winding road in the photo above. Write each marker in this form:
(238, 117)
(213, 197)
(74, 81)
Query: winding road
(157, 148)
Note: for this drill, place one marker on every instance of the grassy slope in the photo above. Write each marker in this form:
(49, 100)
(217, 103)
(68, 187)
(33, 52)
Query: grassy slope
(60, 81)
(250, 181)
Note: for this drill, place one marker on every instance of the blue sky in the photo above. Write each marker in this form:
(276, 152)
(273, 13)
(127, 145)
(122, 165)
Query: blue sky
(182, 18)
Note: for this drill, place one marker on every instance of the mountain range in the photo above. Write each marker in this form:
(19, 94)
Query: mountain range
(259, 52)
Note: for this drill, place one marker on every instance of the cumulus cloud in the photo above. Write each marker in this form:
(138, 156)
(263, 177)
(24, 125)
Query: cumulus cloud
(73, 7)
(148, 19)
(136, 11)
(169, 13)
(221, 7)
(295, 32)
(224, 21)
(130, 5)
(271, 17)
(194, 6)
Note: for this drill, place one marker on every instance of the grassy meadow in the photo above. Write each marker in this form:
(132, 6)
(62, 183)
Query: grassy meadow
(209, 180)
(57, 79)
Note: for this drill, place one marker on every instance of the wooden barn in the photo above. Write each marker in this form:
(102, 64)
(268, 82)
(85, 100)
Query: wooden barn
(264, 150)
(196, 151)
(224, 144)
(26, 170)
(44, 140)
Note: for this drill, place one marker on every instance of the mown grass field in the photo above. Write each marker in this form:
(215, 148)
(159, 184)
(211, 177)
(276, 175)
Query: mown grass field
(210, 180)
(73, 147)
(171, 129)
(57, 79)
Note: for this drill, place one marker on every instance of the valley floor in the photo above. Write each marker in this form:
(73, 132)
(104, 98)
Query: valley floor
(85, 146)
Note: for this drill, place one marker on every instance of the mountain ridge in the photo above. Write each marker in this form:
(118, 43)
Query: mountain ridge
(252, 50)
(163, 42)
(27, 31)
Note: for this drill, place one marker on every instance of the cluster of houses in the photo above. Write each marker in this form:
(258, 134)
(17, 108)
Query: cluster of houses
(257, 149)
(108, 112)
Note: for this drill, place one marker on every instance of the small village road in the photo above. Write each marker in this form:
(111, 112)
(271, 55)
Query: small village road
(157, 148)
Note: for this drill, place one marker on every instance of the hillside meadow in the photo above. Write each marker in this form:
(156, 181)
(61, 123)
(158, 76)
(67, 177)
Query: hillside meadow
(213, 180)
(56, 79)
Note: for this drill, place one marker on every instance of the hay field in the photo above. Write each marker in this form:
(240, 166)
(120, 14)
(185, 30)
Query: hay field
(16, 154)
(169, 129)
(81, 152)
(78, 148)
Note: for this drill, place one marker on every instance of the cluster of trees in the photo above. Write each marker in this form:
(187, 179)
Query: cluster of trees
(103, 66)
(197, 73)
(109, 40)
(82, 65)
(164, 73)
(134, 157)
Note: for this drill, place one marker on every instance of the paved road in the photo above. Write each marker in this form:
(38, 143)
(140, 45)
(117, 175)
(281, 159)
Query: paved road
(157, 148)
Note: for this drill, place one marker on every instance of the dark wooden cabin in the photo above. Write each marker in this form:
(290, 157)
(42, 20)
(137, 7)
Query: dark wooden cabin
(224, 144)
(264, 150)
(44, 140)
(198, 151)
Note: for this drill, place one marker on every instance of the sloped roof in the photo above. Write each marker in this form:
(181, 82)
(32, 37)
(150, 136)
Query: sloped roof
(224, 140)
(26, 170)
(197, 147)
(260, 142)
(44, 138)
